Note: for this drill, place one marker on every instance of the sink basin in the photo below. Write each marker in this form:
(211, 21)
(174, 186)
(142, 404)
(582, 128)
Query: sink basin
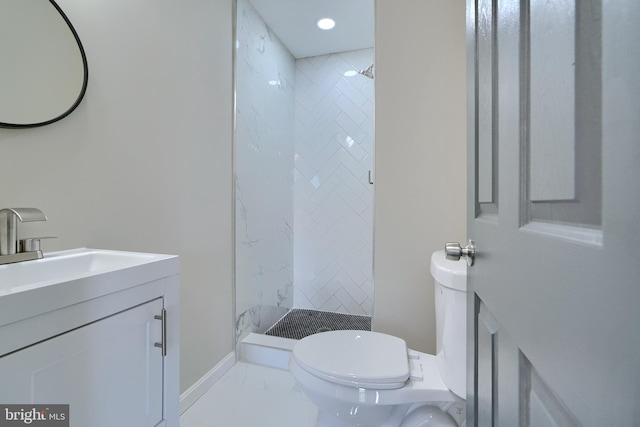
(64, 278)
(66, 265)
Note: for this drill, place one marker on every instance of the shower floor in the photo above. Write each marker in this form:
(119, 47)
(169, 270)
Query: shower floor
(299, 323)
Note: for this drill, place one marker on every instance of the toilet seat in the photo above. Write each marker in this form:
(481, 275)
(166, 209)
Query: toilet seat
(361, 359)
(429, 388)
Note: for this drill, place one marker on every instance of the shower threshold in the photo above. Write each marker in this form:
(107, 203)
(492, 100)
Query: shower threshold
(299, 323)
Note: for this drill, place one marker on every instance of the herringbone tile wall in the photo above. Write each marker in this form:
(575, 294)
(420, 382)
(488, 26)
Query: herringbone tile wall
(333, 200)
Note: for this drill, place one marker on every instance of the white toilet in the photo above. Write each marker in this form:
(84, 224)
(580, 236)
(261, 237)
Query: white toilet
(370, 379)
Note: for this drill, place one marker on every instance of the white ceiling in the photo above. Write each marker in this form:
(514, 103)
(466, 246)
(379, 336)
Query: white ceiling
(294, 22)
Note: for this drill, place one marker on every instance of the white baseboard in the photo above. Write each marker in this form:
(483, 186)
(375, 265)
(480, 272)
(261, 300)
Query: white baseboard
(193, 393)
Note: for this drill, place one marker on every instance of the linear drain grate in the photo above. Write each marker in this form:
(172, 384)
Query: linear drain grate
(299, 323)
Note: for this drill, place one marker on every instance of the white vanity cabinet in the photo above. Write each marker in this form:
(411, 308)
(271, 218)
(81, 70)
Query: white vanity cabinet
(103, 356)
(103, 370)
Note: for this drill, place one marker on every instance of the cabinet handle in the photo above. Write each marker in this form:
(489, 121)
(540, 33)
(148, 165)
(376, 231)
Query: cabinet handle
(163, 344)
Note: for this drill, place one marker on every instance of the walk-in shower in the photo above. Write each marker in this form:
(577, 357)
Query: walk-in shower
(303, 153)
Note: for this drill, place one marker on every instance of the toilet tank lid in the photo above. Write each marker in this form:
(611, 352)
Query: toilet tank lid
(452, 274)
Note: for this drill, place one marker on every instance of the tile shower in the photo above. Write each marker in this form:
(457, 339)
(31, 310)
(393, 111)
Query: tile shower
(304, 205)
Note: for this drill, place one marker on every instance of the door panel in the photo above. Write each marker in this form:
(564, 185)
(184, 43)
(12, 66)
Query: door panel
(561, 127)
(554, 291)
(550, 54)
(540, 406)
(486, 93)
(487, 341)
(486, 97)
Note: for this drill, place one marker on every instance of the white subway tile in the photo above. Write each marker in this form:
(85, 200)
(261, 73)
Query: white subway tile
(334, 202)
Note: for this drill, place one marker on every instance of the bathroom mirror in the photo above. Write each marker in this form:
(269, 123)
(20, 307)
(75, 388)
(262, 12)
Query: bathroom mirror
(43, 72)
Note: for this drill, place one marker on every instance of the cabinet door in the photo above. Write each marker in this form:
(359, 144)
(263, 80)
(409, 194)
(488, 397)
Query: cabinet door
(109, 371)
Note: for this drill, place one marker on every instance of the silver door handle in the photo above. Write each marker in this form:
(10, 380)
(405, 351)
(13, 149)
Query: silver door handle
(454, 251)
(163, 344)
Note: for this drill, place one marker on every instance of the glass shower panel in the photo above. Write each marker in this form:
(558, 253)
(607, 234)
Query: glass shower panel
(265, 73)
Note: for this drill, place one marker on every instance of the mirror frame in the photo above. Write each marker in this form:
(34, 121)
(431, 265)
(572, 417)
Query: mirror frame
(84, 83)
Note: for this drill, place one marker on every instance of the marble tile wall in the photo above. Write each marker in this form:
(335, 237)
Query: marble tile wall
(333, 200)
(264, 156)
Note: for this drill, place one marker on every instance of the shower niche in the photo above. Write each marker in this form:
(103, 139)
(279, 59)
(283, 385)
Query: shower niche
(303, 160)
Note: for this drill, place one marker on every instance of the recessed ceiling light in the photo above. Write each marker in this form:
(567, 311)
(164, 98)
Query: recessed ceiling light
(350, 73)
(326, 23)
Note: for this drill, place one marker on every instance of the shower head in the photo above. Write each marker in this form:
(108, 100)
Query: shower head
(368, 72)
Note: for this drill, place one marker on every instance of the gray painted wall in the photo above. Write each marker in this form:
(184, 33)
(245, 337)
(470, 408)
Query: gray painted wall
(420, 199)
(144, 163)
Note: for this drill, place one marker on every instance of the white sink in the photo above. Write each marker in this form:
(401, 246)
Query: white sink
(66, 265)
(67, 277)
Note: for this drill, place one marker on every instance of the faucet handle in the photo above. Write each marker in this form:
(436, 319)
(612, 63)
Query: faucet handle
(32, 244)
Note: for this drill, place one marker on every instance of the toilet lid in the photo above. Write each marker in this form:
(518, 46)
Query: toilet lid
(355, 358)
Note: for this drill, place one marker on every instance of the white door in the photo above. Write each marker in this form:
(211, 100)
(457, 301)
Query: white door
(554, 210)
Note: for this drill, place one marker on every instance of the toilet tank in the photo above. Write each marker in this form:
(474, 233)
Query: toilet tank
(451, 321)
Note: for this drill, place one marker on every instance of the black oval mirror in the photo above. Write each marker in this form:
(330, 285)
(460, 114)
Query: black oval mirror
(43, 72)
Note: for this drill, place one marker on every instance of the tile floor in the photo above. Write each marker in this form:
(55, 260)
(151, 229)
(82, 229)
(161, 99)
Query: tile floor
(299, 323)
(251, 395)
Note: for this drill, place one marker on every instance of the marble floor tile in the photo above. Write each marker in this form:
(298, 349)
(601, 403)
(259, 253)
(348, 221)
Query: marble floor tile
(252, 395)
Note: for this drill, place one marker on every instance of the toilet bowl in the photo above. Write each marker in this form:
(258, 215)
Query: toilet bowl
(354, 384)
(371, 379)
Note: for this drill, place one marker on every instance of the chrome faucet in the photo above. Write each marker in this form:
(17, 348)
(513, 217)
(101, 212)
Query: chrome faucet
(12, 250)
